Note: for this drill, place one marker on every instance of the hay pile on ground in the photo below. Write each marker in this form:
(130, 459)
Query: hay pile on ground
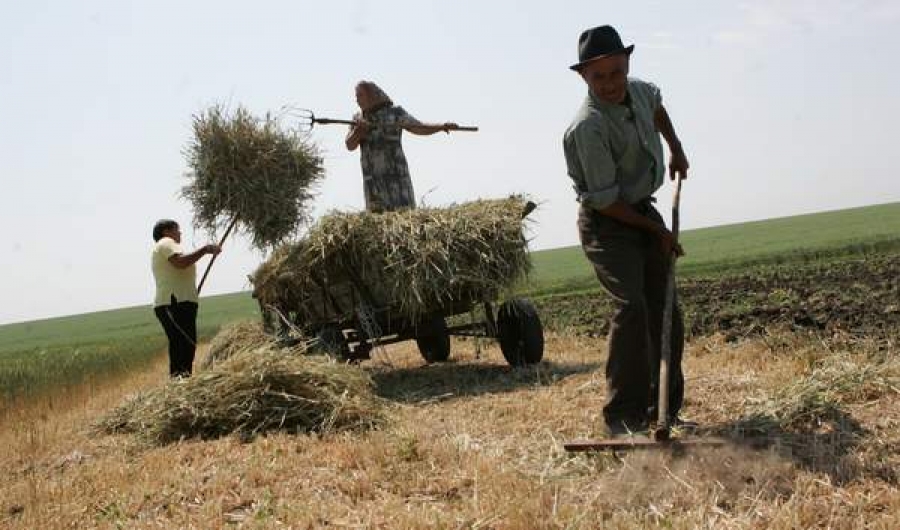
(234, 338)
(413, 261)
(819, 395)
(250, 169)
(257, 390)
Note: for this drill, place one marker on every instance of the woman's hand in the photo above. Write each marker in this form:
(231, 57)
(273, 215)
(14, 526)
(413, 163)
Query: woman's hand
(212, 249)
(360, 128)
(449, 126)
(358, 132)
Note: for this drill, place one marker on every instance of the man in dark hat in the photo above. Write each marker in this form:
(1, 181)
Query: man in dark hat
(615, 158)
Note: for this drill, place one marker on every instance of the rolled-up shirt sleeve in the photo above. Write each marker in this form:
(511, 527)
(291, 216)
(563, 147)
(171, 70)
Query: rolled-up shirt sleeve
(654, 95)
(598, 171)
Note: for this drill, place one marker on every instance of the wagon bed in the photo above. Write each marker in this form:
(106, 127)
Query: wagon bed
(348, 317)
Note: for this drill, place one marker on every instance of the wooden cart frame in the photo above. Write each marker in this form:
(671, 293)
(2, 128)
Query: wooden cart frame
(346, 320)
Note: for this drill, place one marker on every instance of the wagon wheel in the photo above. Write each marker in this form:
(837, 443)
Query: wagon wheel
(433, 339)
(520, 332)
(331, 341)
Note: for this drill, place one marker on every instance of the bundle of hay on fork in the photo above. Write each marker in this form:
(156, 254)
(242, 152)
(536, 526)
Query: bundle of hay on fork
(250, 170)
(414, 261)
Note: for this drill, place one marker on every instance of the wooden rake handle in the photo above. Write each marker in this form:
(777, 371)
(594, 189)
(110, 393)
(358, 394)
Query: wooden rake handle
(665, 357)
(676, 199)
(213, 260)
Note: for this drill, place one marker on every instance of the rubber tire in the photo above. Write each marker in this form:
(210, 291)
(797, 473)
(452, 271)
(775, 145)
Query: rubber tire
(433, 340)
(520, 332)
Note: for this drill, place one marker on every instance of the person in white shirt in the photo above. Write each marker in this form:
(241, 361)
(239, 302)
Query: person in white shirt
(176, 300)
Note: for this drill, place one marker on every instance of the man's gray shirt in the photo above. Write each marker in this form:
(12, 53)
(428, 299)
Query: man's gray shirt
(613, 151)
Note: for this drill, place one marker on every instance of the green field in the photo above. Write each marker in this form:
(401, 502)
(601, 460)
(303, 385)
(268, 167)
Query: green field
(73, 350)
(726, 248)
(38, 355)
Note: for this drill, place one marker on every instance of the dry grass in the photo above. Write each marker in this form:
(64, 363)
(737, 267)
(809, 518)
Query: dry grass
(475, 444)
(250, 169)
(234, 338)
(818, 395)
(258, 389)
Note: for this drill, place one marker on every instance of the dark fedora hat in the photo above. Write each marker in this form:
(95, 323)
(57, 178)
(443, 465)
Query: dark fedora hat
(599, 42)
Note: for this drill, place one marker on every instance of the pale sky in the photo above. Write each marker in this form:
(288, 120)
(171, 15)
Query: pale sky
(783, 107)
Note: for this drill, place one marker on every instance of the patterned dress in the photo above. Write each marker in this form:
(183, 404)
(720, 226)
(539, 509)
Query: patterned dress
(386, 181)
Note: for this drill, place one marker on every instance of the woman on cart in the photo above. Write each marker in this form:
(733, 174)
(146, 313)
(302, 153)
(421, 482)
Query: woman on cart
(377, 132)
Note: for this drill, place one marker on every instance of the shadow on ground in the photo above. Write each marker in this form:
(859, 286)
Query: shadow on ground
(444, 381)
(830, 444)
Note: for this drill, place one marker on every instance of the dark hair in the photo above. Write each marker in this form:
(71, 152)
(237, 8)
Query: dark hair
(161, 226)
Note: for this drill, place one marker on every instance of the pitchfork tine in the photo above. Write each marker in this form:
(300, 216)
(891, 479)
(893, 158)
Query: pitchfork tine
(307, 119)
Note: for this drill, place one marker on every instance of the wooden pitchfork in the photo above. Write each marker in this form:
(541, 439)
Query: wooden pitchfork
(308, 120)
(213, 259)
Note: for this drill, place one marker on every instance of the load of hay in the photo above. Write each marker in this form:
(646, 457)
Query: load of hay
(257, 389)
(252, 170)
(413, 261)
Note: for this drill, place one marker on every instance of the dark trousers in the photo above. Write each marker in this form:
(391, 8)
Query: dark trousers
(633, 270)
(179, 320)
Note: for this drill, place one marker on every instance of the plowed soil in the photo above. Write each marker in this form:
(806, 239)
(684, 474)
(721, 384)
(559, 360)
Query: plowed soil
(859, 297)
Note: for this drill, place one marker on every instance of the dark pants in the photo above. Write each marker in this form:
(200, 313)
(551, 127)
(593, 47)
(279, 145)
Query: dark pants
(179, 320)
(633, 270)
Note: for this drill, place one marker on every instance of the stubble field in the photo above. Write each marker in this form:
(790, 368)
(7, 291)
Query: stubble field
(792, 358)
(476, 444)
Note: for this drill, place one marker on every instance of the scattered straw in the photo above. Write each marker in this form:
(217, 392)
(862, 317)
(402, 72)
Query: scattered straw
(234, 338)
(412, 261)
(250, 169)
(255, 391)
(836, 381)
